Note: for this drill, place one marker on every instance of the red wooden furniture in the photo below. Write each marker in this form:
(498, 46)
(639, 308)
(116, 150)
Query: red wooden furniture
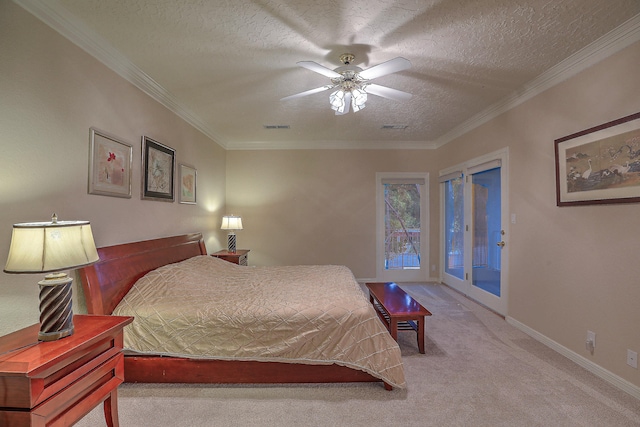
(106, 282)
(239, 257)
(56, 383)
(394, 305)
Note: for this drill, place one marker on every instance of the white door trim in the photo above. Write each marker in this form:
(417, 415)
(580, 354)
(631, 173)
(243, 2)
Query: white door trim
(418, 275)
(498, 304)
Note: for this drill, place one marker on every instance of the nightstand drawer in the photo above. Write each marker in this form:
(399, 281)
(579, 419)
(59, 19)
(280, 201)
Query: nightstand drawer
(56, 383)
(56, 378)
(68, 406)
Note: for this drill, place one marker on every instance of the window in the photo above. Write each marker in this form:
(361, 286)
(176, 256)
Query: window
(454, 226)
(402, 226)
(402, 230)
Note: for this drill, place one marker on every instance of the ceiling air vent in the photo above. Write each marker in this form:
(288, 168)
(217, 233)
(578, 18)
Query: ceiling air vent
(395, 127)
(276, 126)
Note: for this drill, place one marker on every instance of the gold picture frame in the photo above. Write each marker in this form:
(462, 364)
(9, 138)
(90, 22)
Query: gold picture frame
(188, 184)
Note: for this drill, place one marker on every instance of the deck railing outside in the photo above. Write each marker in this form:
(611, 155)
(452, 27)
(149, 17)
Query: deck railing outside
(403, 250)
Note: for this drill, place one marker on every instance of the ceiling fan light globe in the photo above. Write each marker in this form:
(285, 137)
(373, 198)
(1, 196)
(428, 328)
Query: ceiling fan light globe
(359, 96)
(355, 107)
(336, 99)
(358, 99)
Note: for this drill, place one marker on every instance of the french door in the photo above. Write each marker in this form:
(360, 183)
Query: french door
(474, 209)
(401, 222)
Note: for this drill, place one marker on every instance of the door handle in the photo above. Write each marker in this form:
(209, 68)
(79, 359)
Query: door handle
(501, 244)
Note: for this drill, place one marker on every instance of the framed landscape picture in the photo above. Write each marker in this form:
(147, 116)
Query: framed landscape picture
(110, 161)
(188, 183)
(600, 165)
(158, 166)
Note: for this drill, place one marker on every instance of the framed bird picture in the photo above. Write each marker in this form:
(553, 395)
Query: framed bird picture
(599, 165)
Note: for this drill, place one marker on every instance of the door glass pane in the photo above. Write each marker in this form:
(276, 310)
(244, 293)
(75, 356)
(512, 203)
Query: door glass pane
(487, 231)
(402, 226)
(454, 233)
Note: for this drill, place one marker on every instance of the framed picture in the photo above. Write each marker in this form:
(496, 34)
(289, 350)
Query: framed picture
(110, 161)
(188, 181)
(600, 165)
(158, 166)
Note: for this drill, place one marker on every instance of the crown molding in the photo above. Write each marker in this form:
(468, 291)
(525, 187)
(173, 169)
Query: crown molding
(612, 42)
(331, 145)
(55, 16)
(619, 38)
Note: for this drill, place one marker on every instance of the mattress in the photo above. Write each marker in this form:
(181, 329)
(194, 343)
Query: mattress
(205, 307)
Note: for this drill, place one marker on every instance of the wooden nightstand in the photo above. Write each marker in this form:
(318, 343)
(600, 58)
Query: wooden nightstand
(239, 257)
(56, 383)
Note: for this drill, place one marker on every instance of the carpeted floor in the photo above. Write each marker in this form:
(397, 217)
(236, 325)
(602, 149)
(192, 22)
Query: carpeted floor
(478, 370)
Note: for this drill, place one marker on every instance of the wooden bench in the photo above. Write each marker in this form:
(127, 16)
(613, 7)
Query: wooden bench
(398, 310)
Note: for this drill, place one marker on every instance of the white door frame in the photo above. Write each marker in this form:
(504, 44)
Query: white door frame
(465, 286)
(417, 275)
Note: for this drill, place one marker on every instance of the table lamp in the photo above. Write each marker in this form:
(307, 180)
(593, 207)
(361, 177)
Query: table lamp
(50, 247)
(231, 223)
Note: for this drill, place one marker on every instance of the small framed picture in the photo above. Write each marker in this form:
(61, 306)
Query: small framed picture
(110, 161)
(158, 166)
(188, 182)
(600, 165)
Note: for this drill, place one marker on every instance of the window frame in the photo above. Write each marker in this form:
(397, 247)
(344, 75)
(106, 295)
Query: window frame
(420, 274)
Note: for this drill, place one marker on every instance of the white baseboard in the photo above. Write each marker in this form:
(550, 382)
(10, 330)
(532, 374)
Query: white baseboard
(373, 280)
(595, 369)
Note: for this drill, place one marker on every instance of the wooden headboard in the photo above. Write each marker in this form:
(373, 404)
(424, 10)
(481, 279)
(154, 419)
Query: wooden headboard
(106, 282)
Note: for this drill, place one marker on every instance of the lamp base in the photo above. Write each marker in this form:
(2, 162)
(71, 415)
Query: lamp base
(56, 311)
(231, 242)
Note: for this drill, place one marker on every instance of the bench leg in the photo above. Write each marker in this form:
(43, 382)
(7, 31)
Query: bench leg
(421, 334)
(393, 328)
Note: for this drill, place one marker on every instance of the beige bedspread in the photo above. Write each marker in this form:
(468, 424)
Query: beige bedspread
(209, 308)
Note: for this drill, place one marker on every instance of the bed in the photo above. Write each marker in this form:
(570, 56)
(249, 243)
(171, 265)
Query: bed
(118, 279)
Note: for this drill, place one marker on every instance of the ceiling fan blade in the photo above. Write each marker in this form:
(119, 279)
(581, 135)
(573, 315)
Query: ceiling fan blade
(307, 92)
(321, 69)
(387, 92)
(392, 66)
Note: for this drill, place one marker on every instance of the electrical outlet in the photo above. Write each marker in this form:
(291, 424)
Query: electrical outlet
(632, 359)
(591, 336)
(591, 341)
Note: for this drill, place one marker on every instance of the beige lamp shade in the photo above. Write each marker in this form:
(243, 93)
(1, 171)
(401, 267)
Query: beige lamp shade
(231, 222)
(44, 247)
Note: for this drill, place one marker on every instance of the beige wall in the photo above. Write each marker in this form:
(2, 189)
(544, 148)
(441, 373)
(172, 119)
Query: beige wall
(317, 206)
(51, 93)
(572, 269)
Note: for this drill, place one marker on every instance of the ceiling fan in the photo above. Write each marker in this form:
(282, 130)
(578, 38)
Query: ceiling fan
(353, 83)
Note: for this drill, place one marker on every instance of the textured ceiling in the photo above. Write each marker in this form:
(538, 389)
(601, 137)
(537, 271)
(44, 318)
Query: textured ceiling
(228, 63)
